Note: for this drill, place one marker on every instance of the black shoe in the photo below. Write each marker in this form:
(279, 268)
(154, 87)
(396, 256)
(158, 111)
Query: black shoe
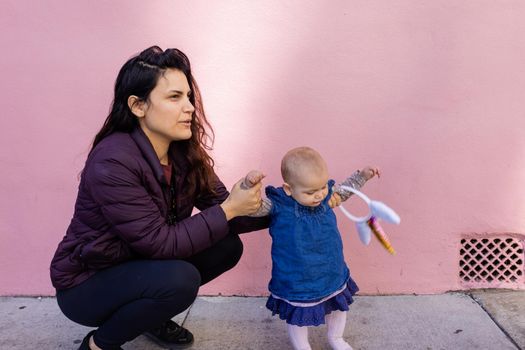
(171, 336)
(85, 342)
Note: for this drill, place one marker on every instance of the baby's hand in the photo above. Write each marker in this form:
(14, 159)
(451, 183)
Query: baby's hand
(369, 172)
(253, 178)
(335, 200)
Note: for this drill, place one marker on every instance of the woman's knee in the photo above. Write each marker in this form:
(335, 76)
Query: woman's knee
(173, 285)
(174, 279)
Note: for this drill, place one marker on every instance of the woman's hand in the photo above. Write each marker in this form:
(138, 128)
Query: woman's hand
(369, 172)
(335, 200)
(242, 201)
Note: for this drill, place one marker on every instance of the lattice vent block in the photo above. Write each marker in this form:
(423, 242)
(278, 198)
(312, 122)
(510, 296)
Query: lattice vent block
(492, 262)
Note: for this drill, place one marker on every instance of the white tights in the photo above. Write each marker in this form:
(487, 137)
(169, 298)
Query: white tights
(335, 323)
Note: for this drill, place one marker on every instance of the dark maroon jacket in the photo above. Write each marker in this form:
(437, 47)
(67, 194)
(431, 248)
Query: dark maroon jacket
(122, 206)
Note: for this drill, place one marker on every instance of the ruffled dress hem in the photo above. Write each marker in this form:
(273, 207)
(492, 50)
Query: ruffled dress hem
(312, 315)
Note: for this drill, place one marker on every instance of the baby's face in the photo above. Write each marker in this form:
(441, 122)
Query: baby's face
(309, 189)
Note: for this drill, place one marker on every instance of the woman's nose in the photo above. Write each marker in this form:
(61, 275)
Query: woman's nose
(189, 107)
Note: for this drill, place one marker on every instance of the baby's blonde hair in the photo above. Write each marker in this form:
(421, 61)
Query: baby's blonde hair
(297, 159)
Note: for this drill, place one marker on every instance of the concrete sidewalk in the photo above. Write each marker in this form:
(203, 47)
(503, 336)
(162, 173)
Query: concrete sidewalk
(491, 319)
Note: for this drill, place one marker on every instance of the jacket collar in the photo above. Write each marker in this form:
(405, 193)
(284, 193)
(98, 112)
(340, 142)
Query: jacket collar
(177, 153)
(180, 163)
(148, 152)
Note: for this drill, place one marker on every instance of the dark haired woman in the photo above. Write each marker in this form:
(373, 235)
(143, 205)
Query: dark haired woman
(133, 256)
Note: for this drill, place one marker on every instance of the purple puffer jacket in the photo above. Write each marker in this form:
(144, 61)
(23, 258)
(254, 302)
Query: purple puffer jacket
(121, 210)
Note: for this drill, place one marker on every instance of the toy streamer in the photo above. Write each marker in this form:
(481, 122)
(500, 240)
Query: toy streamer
(380, 234)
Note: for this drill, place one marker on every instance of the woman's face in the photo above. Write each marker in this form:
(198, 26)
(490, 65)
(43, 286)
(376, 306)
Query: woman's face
(168, 112)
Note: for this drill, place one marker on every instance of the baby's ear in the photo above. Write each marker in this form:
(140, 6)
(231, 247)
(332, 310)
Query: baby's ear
(287, 189)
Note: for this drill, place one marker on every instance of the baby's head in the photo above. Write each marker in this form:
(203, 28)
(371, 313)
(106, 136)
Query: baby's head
(305, 176)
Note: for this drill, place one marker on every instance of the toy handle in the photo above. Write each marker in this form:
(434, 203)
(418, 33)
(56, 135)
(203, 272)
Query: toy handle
(364, 198)
(355, 218)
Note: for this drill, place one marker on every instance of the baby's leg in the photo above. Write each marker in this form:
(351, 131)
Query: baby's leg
(336, 321)
(299, 337)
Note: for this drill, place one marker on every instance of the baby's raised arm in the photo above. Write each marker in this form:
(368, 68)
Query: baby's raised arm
(356, 181)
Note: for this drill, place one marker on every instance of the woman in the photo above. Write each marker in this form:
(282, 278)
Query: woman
(133, 256)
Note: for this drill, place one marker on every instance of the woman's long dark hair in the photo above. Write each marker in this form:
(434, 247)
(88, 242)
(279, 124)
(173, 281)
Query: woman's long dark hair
(138, 77)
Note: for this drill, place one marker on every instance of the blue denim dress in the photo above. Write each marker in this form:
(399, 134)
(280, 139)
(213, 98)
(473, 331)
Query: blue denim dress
(307, 260)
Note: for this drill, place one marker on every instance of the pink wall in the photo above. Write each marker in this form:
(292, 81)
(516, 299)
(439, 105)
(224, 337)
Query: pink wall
(432, 93)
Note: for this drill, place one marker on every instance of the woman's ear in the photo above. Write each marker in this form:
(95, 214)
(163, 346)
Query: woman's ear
(137, 107)
(287, 189)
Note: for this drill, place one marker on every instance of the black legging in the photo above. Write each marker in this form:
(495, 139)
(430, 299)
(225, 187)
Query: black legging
(125, 300)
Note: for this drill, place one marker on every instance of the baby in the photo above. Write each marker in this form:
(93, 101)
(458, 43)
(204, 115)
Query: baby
(310, 284)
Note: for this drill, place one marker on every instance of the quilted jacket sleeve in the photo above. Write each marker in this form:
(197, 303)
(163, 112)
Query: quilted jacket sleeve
(116, 186)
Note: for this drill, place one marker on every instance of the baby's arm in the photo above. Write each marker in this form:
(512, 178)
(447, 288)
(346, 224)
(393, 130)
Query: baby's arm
(250, 180)
(357, 180)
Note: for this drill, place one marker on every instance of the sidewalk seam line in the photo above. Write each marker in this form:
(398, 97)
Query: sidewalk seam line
(188, 314)
(495, 321)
